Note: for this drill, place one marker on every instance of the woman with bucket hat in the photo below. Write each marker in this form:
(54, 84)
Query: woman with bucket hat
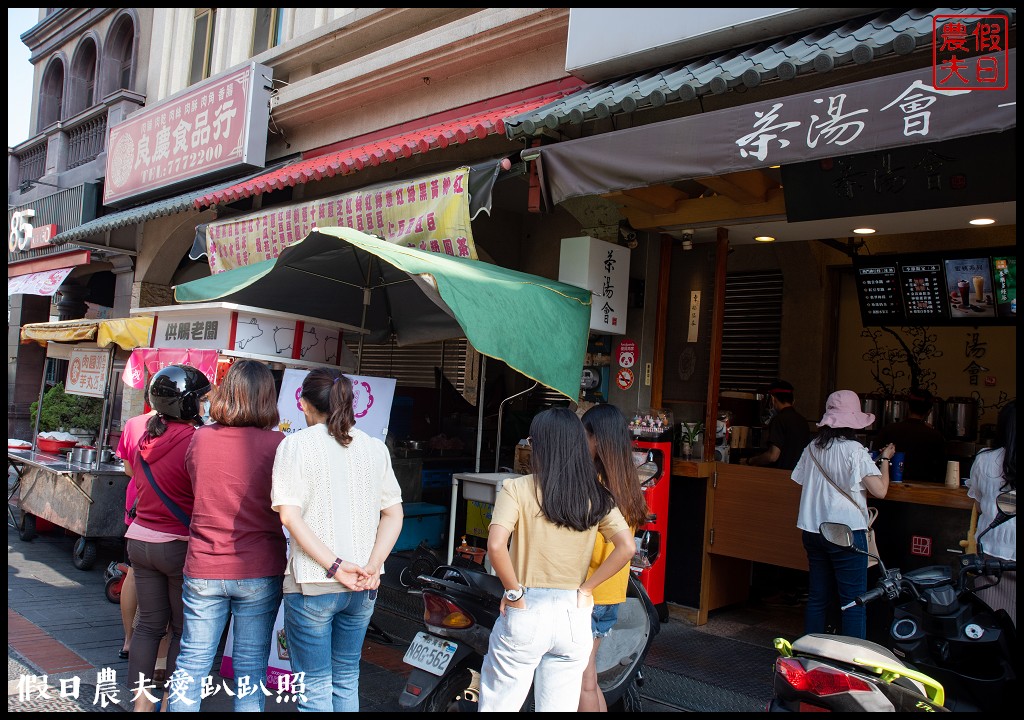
(835, 473)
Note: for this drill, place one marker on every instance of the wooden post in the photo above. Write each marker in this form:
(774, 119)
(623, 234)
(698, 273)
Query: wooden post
(661, 321)
(715, 360)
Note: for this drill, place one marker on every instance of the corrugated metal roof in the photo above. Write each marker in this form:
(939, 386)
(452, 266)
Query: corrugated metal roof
(142, 213)
(858, 41)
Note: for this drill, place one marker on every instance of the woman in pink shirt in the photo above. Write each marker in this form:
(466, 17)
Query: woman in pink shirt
(158, 537)
(237, 550)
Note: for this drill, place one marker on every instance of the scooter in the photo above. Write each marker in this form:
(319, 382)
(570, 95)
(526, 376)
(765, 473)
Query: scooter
(114, 577)
(461, 605)
(948, 650)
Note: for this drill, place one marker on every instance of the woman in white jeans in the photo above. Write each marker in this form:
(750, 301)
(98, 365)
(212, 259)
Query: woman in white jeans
(543, 637)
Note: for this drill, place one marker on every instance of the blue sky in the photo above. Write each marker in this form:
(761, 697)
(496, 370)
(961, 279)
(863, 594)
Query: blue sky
(19, 74)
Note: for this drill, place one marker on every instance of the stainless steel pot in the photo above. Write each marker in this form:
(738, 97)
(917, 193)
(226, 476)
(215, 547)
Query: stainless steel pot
(960, 418)
(874, 404)
(896, 409)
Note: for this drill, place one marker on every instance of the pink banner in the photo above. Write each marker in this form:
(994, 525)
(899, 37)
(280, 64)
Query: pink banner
(40, 283)
(151, 360)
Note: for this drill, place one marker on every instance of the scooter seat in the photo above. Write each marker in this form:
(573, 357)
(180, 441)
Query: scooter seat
(844, 649)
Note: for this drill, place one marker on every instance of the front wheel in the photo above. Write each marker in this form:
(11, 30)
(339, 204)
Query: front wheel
(630, 701)
(84, 554)
(459, 692)
(113, 589)
(27, 531)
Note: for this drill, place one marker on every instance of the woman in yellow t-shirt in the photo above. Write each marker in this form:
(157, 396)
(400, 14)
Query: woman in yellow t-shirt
(612, 449)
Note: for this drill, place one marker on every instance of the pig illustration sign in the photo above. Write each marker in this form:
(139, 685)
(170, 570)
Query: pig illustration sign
(371, 402)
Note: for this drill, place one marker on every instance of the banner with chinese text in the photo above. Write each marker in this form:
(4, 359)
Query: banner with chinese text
(430, 213)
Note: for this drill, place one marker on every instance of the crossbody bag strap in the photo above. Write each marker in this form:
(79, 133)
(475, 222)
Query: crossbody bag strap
(832, 482)
(171, 505)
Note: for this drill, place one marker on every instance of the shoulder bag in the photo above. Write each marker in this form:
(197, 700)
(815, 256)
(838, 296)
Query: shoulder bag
(171, 505)
(872, 513)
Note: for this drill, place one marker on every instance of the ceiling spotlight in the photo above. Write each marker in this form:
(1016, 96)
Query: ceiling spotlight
(863, 231)
(686, 237)
(764, 238)
(982, 221)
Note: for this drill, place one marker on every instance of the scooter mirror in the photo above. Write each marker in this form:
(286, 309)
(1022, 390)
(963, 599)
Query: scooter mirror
(1007, 503)
(837, 534)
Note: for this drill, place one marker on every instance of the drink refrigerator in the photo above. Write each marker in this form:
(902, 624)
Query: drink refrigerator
(652, 452)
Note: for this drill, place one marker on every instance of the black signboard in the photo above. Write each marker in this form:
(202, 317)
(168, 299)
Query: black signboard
(962, 287)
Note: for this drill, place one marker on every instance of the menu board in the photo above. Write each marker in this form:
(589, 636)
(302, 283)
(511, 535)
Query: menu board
(1006, 286)
(879, 294)
(924, 293)
(959, 287)
(969, 284)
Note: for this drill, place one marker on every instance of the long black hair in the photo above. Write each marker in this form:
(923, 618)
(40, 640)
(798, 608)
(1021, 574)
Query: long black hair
(1006, 438)
(613, 456)
(330, 393)
(827, 434)
(570, 494)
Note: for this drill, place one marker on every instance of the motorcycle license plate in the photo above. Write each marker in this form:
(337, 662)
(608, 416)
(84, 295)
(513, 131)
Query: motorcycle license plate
(430, 653)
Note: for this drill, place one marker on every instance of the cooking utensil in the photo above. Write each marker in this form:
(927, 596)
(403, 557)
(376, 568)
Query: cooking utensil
(960, 418)
(54, 446)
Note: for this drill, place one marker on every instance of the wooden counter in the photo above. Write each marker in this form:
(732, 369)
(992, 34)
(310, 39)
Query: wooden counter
(750, 516)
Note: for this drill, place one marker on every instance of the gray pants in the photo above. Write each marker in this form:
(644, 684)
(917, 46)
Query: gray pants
(158, 580)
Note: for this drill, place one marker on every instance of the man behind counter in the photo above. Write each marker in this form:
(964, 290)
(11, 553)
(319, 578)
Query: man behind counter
(788, 432)
(923, 445)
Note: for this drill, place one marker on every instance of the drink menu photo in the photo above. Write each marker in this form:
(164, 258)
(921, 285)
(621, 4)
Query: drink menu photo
(970, 288)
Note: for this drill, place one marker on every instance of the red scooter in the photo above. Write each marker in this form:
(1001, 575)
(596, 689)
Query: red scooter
(114, 576)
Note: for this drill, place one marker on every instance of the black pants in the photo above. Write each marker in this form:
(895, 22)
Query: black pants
(158, 578)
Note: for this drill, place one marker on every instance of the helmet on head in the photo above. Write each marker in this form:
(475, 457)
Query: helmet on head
(176, 391)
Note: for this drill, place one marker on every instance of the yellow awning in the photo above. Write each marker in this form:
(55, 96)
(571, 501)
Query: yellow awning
(128, 333)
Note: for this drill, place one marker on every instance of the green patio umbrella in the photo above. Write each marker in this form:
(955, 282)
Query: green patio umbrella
(536, 326)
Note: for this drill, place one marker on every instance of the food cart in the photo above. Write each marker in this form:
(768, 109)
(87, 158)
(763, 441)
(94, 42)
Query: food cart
(84, 496)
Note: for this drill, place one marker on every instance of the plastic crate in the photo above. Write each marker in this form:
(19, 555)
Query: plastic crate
(431, 479)
(423, 521)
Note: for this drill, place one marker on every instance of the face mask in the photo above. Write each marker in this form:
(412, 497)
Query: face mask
(206, 413)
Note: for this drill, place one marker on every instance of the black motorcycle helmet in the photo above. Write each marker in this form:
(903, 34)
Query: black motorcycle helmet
(176, 392)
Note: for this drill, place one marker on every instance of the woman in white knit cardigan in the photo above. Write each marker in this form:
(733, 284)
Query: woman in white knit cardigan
(338, 496)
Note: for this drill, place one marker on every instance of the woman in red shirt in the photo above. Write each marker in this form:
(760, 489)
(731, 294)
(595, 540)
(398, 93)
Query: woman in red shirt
(237, 549)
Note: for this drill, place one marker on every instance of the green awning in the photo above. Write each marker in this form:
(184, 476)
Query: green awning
(536, 326)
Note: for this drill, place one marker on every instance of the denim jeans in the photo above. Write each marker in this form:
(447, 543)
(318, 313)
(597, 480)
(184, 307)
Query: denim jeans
(546, 644)
(325, 641)
(253, 603)
(836, 574)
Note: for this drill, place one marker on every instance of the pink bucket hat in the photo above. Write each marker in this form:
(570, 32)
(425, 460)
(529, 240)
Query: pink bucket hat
(843, 411)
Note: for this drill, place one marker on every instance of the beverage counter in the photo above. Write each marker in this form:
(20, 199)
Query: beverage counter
(749, 515)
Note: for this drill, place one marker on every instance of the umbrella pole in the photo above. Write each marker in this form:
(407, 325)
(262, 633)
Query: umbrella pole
(480, 409)
(362, 324)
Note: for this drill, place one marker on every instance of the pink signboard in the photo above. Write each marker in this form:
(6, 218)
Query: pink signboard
(217, 126)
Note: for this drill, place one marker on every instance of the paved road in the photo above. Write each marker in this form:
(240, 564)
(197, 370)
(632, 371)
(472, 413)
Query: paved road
(61, 625)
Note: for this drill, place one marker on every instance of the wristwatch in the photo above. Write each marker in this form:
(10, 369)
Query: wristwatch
(515, 595)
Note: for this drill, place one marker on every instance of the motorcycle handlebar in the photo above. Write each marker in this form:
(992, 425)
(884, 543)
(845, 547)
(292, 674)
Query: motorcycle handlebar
(870, 596)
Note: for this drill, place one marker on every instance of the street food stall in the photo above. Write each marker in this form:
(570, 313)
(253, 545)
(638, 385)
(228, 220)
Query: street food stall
(80, 489)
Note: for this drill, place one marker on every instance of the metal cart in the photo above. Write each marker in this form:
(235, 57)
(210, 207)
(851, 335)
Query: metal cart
(87, 500)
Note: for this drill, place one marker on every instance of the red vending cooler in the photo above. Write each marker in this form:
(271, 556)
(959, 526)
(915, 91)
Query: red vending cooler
(652, 452)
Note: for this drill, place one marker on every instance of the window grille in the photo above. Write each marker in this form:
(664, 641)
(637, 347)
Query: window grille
(413, 365)
(752, 330)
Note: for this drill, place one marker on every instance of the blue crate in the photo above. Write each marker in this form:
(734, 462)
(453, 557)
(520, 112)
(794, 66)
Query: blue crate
(423, 521)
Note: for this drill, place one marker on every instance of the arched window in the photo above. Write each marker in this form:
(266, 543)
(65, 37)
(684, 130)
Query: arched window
(83, 78)
(119, 53)
(51, 97)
